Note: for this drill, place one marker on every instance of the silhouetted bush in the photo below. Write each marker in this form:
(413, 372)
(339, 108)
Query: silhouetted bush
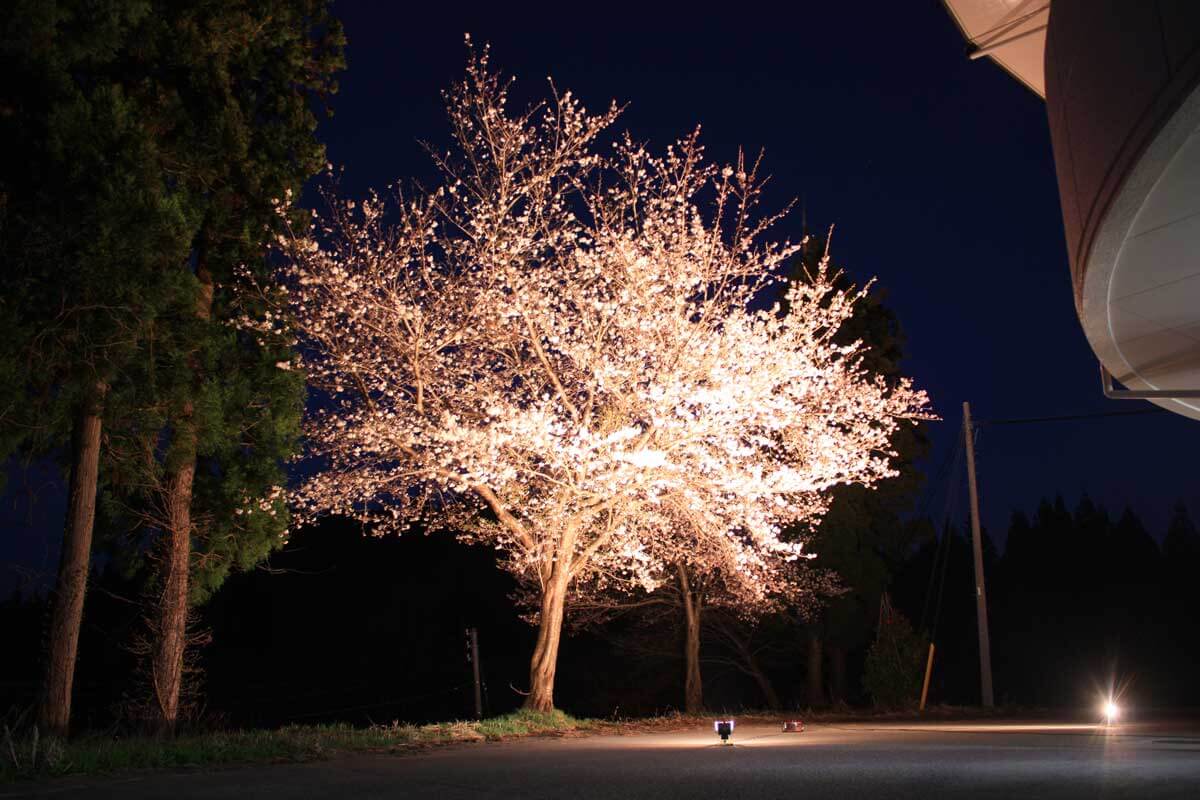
(892, 674)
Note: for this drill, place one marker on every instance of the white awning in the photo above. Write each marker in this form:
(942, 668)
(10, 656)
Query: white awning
(1010, 32)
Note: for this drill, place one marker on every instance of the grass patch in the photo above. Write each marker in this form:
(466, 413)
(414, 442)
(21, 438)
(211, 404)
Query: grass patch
(98, 755)
(26, 757)
(532, 723)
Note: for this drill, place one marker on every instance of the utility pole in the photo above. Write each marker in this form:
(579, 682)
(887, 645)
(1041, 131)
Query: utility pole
(473, 657)
(925, 684)
(985, 648)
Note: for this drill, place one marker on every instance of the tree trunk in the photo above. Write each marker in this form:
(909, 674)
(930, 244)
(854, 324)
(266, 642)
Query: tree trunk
(545, 652)
(693, 690)
(171, 627)
(816, 678)
(67, 614)
(837, 673)
(172, 609)
(764, 683)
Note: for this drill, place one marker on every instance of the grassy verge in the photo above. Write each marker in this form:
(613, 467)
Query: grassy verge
(24, 757)
(93, 755)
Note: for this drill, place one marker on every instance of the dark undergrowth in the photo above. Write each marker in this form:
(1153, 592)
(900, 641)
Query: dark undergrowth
(29, 755)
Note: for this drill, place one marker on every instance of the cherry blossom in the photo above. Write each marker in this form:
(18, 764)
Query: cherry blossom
(562, 350)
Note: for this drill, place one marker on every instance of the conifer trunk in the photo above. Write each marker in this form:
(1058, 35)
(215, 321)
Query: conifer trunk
(172, 608)
(693, 689)
(172, 612)
(71, 586)
(837, 673)
(764, 685)
(816, 677)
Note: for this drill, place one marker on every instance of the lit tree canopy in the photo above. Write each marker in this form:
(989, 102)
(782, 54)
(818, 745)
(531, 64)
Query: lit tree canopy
(563, 354)
(699, 573)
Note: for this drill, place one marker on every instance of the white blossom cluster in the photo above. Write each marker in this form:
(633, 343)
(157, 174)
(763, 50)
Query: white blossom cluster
(563, 354)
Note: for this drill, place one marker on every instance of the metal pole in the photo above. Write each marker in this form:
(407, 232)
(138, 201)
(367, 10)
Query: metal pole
(1106, 384)
(474, 634)
(928, 672)
(985, 649)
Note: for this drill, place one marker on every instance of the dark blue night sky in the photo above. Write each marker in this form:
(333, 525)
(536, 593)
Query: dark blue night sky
(936, 170)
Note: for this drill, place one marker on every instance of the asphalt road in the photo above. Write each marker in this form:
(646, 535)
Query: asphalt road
(855, 761)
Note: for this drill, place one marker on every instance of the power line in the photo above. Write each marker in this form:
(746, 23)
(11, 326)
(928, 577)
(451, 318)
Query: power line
(948, 512)
(948, 536)
(951, 456)
(1069, 417)
(949, 477)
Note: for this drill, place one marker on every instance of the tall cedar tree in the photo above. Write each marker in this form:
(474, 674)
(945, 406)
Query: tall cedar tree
(160, 134)
(862, 537)
(91, 236)
(248, 78)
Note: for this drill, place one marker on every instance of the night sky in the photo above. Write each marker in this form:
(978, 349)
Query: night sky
(936, 170)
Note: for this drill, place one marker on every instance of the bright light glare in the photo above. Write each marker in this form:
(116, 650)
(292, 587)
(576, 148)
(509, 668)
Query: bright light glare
(1111, 711)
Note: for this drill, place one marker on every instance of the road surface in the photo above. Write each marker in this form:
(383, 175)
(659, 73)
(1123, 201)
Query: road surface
(854, 761)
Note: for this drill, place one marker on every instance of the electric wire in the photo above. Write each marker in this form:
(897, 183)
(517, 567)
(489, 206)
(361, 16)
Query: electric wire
(941, 558)
(942, 474)
(1069, 417)
(950, 508)
(948, 537)
(948, 479)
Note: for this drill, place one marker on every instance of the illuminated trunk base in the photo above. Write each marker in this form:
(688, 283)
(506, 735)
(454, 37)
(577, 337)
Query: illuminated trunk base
(693, 691)
(545, 653)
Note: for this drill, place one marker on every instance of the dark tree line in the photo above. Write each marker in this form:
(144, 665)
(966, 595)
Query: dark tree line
(344, 626)
(1080, 601)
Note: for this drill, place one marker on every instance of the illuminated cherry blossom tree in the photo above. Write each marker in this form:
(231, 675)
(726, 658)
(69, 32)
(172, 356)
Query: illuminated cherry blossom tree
(700, 573)
(561, 353)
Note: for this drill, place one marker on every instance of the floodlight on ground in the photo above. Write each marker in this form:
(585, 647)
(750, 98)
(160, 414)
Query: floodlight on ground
(724, 729)
(1111, 711)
